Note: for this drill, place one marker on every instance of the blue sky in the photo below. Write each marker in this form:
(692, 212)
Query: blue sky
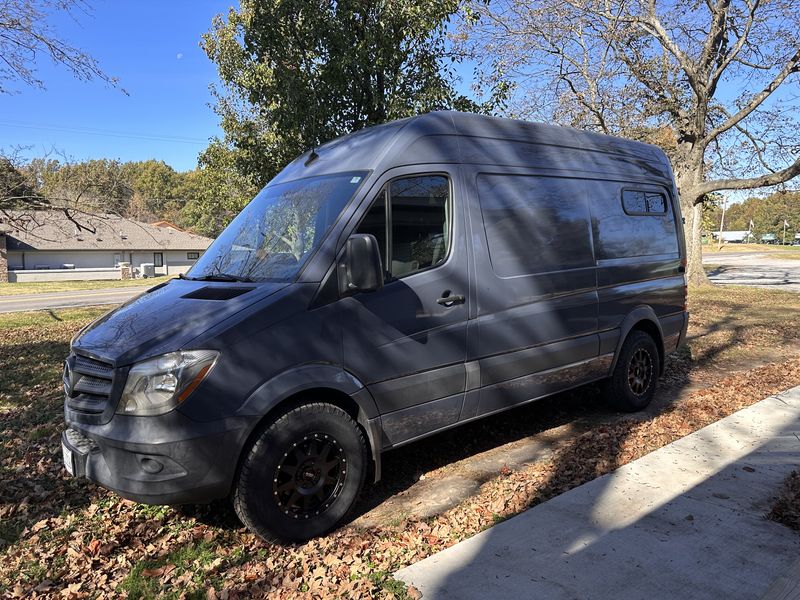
(152, 47)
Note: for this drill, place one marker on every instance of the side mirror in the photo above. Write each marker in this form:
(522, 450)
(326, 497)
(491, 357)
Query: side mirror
(359, 265)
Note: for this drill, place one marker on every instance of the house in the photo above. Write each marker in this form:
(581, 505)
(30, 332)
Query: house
(52, 245)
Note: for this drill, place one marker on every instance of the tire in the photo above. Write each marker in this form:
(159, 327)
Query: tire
(302, 474)
(633, 383)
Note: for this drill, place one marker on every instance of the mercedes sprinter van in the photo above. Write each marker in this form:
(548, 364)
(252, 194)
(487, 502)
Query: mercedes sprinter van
(385, 286)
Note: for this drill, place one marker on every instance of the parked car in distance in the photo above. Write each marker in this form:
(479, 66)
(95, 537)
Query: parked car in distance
(388, 285)
(769, 238)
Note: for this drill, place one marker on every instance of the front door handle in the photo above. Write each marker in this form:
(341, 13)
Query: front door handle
(449, 300)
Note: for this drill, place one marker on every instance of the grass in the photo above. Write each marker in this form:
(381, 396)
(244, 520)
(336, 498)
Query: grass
(733, 326)
(44, 287)
(143, 581)
(57, 532)
(783, 251)
(45, 318)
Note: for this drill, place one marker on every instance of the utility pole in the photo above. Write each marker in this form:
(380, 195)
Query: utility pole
(722, 222)
(785, 225)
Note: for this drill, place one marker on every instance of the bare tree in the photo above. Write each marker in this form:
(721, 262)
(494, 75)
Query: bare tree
(713, 82)
(26, 36)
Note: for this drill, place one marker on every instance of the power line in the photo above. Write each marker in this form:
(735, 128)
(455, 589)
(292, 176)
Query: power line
(107, 133)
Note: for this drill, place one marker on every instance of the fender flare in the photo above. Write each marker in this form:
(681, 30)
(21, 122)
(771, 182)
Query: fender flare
(286, 384)
(633, 318)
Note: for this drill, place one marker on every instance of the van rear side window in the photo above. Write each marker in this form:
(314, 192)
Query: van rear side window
(535, 224)
(638, 202)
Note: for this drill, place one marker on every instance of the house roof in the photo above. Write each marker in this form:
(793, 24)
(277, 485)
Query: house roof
(54, 230)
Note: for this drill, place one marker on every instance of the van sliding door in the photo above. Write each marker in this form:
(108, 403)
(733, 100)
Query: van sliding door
(536, 290)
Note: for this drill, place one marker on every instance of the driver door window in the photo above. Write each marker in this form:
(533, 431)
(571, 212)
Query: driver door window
(414, 233)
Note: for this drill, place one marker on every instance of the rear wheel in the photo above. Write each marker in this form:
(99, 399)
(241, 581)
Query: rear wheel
(302, 474)
(632, 384)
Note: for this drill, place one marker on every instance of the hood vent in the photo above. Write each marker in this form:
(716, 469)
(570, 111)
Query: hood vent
(215, 292)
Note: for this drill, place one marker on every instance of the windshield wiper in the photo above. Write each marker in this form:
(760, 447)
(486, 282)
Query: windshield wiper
(219, 277)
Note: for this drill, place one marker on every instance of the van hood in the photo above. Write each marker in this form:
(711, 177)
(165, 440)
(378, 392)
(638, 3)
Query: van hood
(165, 318)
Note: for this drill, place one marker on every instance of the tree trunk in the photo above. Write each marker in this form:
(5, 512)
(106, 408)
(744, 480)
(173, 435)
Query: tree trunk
(695, 274)
(688, 174)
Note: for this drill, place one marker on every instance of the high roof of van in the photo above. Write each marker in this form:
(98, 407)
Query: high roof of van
(447, 137)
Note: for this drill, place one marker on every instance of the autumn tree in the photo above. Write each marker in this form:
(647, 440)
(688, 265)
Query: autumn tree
(767, 215)
(712, 82)
(16, 187)
(92, 186)
(26, 37)
(296, 73)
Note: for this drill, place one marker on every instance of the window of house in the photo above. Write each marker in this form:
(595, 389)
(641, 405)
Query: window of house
(158, 259)
(192, 255)
(414, 232)
(117, 259)
(638, 202)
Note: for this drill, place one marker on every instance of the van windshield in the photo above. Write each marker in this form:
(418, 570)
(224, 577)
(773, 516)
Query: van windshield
(273, 237)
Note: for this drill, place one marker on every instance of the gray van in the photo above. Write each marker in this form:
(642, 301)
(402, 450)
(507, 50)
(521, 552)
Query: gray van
(385, 286)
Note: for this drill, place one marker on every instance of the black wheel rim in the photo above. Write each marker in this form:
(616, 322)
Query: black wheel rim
(309, 476)
(640, 371)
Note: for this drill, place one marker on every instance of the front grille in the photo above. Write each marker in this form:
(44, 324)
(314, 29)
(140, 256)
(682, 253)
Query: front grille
(88, 384)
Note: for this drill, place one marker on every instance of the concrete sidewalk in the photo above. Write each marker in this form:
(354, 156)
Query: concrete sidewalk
(686, 521)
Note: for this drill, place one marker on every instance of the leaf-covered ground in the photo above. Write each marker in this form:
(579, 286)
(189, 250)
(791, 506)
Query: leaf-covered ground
(60, 537)
(786, 509)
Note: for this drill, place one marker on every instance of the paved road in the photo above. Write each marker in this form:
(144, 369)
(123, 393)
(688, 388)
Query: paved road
(760, 270)
(686, 521)
(44, 301)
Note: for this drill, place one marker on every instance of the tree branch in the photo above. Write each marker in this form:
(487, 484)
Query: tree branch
(791, 67)
(775, 178)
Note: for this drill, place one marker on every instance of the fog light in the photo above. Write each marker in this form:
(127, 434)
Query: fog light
(151, 466)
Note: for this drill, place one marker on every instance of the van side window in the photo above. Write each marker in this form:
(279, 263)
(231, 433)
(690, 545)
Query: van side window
(415, 234)
(656, 203)
(642, 224)
(535, 224)
(637, 202)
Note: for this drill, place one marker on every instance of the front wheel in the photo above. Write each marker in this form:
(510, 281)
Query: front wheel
(302, 474)
(633, 383)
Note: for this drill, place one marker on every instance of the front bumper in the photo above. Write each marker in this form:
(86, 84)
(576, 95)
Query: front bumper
(167, 459)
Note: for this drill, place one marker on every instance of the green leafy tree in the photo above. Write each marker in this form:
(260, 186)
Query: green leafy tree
(297, 73)
(216, 192)
(154, 183)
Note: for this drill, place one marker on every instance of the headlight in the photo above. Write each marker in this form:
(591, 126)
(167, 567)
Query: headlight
(158, 385)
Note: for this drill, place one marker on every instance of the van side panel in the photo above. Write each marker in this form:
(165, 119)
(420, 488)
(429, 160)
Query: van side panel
(638, 259)
(536, 288)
